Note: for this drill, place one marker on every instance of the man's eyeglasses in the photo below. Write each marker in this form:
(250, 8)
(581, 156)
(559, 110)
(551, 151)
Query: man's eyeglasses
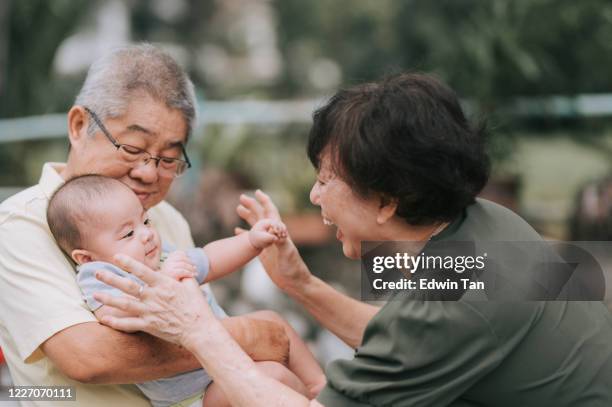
(166, 166)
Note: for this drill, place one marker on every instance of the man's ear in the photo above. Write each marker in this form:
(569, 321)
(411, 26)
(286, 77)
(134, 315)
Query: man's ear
(78, 120)
(81, 256)
(386, 210)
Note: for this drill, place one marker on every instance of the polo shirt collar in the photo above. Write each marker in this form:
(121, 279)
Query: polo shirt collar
(50, 179)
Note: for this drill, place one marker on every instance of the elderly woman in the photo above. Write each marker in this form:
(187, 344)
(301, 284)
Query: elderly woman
(397, 160)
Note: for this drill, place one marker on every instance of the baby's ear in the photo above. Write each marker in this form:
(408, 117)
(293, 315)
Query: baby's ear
(81, 256)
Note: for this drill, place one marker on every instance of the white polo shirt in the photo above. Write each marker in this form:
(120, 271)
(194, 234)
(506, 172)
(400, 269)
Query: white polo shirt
(39, 295)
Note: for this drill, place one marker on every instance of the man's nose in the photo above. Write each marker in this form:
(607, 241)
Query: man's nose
(146, 173)
(314, 194)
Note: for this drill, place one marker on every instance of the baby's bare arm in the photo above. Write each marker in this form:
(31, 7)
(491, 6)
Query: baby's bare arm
(229, 254)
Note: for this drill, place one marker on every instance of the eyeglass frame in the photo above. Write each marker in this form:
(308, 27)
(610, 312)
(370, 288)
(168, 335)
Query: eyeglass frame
(118, 145)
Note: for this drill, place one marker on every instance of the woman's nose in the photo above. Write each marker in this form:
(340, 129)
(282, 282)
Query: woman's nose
(314, 194)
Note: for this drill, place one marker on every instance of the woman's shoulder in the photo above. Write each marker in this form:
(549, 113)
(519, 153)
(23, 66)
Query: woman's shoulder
(488, 221)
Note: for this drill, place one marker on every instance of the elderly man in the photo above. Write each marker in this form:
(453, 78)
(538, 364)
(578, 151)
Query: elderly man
(135, 109)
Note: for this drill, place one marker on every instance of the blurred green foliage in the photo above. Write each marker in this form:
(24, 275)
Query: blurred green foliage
(486, 50)
(489, 51)
(32, 30)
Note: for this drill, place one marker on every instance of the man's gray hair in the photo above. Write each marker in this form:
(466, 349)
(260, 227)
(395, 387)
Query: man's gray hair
(112, 80)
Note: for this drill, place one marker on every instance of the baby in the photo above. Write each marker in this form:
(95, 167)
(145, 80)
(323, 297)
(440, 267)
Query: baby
(93, 217)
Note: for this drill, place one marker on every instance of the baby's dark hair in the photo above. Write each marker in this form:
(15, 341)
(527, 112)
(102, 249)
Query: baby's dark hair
(70, 207)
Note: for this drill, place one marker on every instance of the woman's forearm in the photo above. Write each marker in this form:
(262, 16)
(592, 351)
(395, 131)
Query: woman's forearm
(235, 372)
(344, 316)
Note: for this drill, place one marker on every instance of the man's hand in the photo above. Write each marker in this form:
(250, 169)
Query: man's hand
(178, 266)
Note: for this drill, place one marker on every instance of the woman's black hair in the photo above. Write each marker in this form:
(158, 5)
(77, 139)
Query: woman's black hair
(406, 139)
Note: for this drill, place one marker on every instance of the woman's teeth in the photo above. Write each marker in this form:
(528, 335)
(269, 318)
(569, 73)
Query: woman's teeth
(327, 222)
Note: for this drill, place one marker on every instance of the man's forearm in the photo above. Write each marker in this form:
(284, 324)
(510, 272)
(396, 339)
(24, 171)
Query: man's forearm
(93, 353)
(344, 316)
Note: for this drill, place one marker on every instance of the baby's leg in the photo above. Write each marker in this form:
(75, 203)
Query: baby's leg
(214, 396)
(280, 373)
(301, 361)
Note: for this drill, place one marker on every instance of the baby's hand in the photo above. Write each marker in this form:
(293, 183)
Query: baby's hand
(178, 266)
(267, 231)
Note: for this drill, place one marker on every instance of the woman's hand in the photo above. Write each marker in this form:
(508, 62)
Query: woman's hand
(282, 260)
(266, 232)
(346, 317)
(169, 309)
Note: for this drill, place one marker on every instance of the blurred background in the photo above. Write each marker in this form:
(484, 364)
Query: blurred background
(540, 71)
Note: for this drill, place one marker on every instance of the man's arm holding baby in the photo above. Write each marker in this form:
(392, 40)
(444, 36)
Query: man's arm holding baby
(93, 353)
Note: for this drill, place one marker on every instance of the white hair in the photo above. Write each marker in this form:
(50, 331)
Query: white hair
(112, 80)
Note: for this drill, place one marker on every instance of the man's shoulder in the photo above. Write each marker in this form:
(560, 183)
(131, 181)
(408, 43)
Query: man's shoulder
(23, 226)
(164, 209)
(30, 203)
(171, 225)
(164, 214)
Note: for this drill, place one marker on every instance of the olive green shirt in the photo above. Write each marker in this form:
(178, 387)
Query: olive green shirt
(481, 353)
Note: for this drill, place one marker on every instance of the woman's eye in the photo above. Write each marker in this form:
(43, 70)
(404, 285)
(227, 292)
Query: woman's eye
(147, 221)
(128, 234)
